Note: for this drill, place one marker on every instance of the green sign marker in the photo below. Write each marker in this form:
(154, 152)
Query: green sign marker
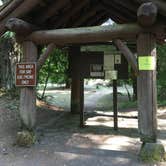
(146, 63)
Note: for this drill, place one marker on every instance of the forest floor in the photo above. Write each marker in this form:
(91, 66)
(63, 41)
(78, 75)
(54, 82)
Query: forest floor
(62, 143)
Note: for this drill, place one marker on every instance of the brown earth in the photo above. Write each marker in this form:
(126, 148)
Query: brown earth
(62, 143)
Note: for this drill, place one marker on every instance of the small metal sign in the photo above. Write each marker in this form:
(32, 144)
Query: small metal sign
(25, 74)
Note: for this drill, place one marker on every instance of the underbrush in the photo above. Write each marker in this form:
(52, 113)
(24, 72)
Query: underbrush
(12, 93)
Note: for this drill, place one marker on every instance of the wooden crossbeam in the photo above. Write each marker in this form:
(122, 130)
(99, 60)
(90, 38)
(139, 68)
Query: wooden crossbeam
(114, 14)
(97, 19)
(19, 11)
(50, 11)
(68, 15)
(91, 12)
(88, 34)
(20, 27)
(9, 8)
(127, 4)
(123, 14)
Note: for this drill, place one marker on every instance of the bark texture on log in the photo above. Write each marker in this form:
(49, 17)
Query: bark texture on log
(147, 14)
(20, 27)
(9, 8)
(76, 85)
(159, 3)
(131, 58)
(20, 10)
(44, 56)
(88, 34)
(28, 94)
(146, 84)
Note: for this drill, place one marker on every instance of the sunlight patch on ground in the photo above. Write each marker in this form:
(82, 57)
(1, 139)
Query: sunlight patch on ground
(108, 121)
(99, 121)
(66, 155)
(120, 143)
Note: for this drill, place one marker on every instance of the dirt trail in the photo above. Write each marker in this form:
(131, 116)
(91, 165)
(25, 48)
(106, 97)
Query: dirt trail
(62, 143)
(91, 100)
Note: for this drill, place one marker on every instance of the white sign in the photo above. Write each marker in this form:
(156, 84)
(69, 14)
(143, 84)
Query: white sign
(108, 62)
(97, 74)
(96, 70)
(111, 75)
(117, 59)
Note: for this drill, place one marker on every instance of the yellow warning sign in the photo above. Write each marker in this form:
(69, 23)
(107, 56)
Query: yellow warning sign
(146, 63)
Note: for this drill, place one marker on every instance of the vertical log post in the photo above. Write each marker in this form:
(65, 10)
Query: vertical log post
(146, 83)
(147, 101)
(115, 105)
(76, 82)
(81, 102)
(28, 94)
(146, 46)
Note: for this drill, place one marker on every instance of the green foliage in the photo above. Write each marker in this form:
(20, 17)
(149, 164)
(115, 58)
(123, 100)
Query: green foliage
(55, 68)
(161, 70)
(8, 35)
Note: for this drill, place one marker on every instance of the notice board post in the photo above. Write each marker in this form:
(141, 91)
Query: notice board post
(27, 80)
(76, 81)
(115, 104)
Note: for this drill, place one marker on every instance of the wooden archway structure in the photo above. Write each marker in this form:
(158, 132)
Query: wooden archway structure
(147, 31)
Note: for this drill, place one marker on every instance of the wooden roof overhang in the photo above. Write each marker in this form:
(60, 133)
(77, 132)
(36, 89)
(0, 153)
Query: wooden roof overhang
(57, 14)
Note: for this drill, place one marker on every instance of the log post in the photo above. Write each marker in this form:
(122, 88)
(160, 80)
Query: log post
(115, 104)
(82, 102)
(147, 101)
(28, 94)
(146, 82)
(76, 82)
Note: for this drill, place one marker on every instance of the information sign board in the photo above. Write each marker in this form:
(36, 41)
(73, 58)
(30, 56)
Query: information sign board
(25, 74)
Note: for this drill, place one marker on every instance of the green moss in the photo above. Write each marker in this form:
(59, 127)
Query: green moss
(148, 139)
(152, 152)
(25, 138)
